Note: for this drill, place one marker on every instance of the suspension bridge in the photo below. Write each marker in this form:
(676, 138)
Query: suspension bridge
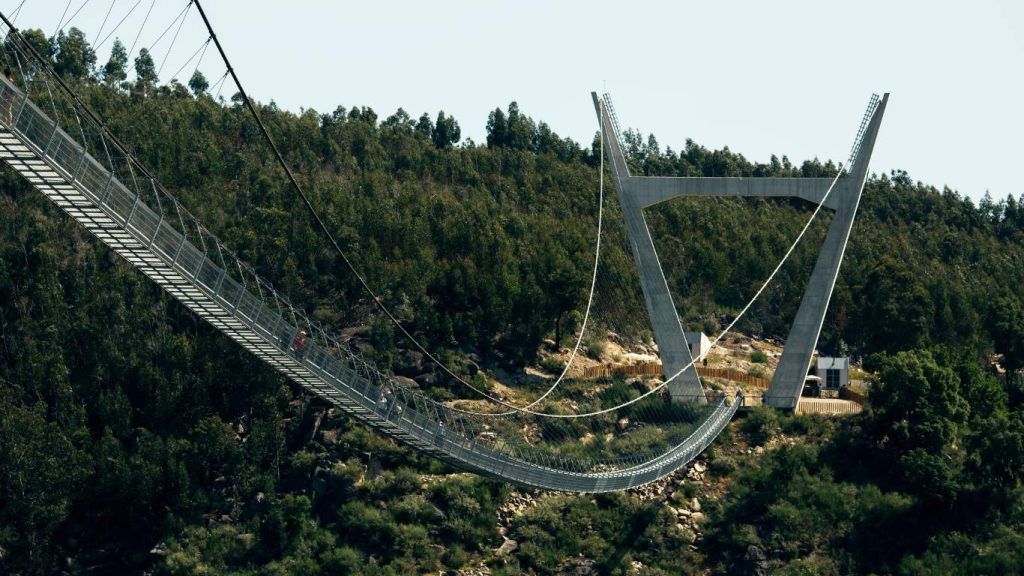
(66, 151)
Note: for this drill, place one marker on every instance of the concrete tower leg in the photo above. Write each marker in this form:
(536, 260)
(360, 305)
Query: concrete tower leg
(637, 193)
(788, 382)
(668, 332)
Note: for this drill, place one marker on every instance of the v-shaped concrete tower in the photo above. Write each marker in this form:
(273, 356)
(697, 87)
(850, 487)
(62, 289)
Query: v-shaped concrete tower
(639, 192)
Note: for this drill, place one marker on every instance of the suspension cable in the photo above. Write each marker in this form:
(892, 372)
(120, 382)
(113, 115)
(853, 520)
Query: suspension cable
(590, 301)
(201, 49)
(144, 21)
(61, 21)
(184, 12)
(17, 12)
(323, 227)
(121, 21)
(173, 40)
(725, 331)
(380, 305)
(104, 24)
(70, 20)
(656, 389)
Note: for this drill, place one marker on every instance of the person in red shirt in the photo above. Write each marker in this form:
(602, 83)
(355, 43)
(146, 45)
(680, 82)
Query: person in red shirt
(300, 344)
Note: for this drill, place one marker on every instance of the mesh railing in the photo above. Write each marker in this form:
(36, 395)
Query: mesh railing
(855, 150)
(351, 381)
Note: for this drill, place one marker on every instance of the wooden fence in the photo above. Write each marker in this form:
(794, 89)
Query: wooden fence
(654, 369)
(734, 375)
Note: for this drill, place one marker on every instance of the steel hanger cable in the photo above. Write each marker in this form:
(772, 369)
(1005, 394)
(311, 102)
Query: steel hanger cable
(121, 21)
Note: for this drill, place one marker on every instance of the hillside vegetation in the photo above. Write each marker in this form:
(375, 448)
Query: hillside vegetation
(134, 438)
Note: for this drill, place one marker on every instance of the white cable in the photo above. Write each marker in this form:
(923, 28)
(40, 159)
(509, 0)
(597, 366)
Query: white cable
(586, 314)
(727, 329)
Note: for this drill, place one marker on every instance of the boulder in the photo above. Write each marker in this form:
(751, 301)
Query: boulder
(755, 563)
(430, 379)
(363, 347)
(409, 363)
(404, 382)
(507, 547)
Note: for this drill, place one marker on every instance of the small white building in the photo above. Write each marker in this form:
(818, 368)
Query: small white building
(834, 372)
(699, 345)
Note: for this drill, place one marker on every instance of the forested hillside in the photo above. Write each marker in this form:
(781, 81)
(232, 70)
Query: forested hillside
(133, 437)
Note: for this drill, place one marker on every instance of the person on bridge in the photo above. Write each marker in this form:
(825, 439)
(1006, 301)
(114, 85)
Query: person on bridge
(10, 103)
(300, 344)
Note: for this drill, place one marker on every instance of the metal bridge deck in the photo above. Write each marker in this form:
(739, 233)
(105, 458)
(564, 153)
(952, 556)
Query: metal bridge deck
(55, 164)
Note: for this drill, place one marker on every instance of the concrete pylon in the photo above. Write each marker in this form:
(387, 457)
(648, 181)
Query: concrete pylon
(639, 192)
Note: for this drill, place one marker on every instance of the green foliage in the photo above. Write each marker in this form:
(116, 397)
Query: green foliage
(446, 131)
(794, 510)
(757, 372)
(1007, 321)
(927, 483)
(115, 70)
(198, 83)
(687, 490)
(124, 423)
(602, 528)
(145, 69)
(74, 56)
(761, 424)
(758, 357)
(552, 365)
(919, 412)
(594, 349)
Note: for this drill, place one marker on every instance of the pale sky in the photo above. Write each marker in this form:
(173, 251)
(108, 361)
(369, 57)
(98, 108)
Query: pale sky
(784, 77)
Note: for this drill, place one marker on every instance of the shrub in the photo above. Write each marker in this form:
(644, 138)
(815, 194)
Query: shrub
(552, 365)
(594, 349)
(723, 466)
(480, 382)
(761, 424)
(758, 357)
(687, 490)
(757, 372)
(455, 557)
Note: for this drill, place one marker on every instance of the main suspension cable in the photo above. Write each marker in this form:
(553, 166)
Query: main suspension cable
(384, 309)
(586, 314)
(330, 236)
(725, 331)
(323, 227)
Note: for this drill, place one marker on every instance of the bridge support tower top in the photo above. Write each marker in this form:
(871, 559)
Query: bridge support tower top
(639, 192)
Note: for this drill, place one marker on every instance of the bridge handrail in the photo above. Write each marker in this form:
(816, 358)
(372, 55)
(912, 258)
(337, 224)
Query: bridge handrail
(363, 385)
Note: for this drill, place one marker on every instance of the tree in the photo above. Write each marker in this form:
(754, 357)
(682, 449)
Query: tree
(1007, 321)
(446, 131)
(74, 55)
(399, 121)
(145, 70)
(198, 83)
(897, 310)
(521, 129)
(115, 70)
(424, 127)
(36, 38)
(919, 416)
(497, 129)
